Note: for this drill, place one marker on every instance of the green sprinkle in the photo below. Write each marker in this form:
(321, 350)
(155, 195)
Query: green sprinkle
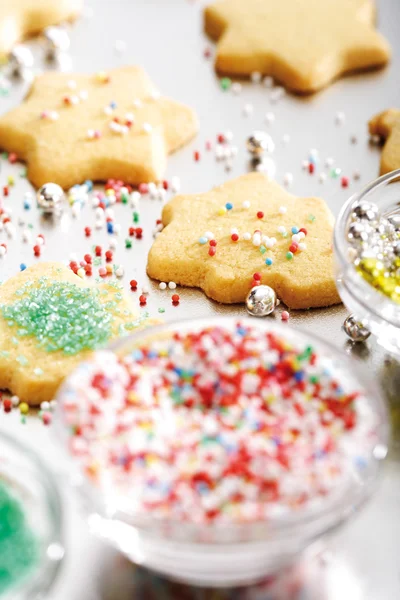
(225, 83)
(60, 315)
(19, 548)
(311, 218)
(289, 255)
(263, 249)
(22, 360)
(38, 371)
(136, 217)
(314, 379)
(128, 243)
(161, 310)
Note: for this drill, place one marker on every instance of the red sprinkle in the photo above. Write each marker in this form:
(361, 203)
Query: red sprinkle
(196, 155)
(234, 237)
(212, 250)
(304, 230)
(311, 168)
(109, 256)
(142, 300)
(88, 259)
(36, 250)
(12, 157)
(46, 418)
(260, 214)
(5, 190)
(285, 315)
(175, 298)
(345, 182)
(98, 250)
(293, 247)
(133, 284)
(88, 231)
(257, 276)
(7, 404)
(213, 242)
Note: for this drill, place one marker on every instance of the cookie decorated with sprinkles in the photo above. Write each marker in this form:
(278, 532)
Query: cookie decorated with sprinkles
(50, 320)
(305, 44)
(246, 232)
(115, 125)
(20, 19)
(386, 125)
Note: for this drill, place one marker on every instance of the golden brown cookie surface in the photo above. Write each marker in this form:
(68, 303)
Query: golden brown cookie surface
(74, 127)
(387, 126)
(305, 44)
(22, 18)
(217, 241)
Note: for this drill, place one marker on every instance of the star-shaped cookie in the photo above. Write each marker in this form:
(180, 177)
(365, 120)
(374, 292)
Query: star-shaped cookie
(247, 230)
(50, 320)
(20, 19)
(305, 44)
(108, 125)
(387, 126)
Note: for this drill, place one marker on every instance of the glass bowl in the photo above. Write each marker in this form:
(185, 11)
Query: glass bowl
(375, 310)
(233, 553)
(28, 480)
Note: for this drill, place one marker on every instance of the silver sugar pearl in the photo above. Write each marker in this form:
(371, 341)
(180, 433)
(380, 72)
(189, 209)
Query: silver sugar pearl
(259, 143)
(261, 301)
(355, 330)
(20, 59)
(357, 232)
(366, 210)
(394, 220)
(57, 41)
(49, 197)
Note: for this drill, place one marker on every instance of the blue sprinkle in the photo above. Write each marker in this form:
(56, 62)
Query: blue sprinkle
(240, 330)
(268, 261)
(360, 462)
(110, 227)
(295, 230)
(22, 266)
(299, 376)
(276, 441)
(203, 240)
(228, 206)
(89, 185)
(113, 104)
(27, 205)
(137, 355)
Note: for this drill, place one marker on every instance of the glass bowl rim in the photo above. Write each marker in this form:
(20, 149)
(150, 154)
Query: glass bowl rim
(340, 247)
(46, 572)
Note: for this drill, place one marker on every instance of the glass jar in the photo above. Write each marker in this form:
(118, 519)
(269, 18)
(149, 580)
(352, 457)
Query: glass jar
(223, 554)
(372, 308)
(29, 483)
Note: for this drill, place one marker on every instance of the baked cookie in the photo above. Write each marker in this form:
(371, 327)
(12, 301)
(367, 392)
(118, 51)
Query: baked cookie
(110, 125)
(23, 18)
(305, 44)
(246, 231)
(50, 320)
(387, 126)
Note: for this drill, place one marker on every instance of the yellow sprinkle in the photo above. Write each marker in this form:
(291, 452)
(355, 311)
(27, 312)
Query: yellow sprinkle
(222, 211)
(81, 272)
(23, 408)
(10, 180)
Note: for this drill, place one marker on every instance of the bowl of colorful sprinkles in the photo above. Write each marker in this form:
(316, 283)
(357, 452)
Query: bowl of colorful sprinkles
(367, 251)
(31, 545)
(215, 451)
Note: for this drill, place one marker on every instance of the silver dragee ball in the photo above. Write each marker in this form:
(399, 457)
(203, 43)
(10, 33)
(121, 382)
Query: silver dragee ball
(366, 211)
(57, 41)
(394, 220)
(261, 301)
(20, 59)
(259, 143)
(355, 330)
(49, 197)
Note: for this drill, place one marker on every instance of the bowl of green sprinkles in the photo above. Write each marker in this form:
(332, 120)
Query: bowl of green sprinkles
(31, 542)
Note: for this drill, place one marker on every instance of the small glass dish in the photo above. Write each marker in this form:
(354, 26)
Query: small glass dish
(376, 311)
(29, 482)
(220, 553)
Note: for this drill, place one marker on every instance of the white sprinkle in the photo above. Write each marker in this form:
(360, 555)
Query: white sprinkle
(282, 210)
(147, 128)
(281, 229)
(247, 236)
(14, 400)
(236, 88)
(119, 271)
(322, 177)
(248, 109)
(175, 184)
(246, 204)
(71, 84)
(45, 406)
(288, 179)
(256, 77)
(277, 94)
(162, 285)
(209, 235)
(302, 246)
(90, 134)
(329, 162)
(304, 165)
(234, 230)
(172, 285)
(83, 95)
(270, 118)
(340, 118)
(296, 238)
(145, 289)
(268, 82)
(228, 135)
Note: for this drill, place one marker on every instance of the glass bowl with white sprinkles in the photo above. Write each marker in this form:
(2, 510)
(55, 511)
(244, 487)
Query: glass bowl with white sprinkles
(215, 451)
(367, 254)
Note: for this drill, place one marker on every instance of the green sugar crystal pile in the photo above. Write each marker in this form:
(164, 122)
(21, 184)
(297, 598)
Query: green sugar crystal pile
(60, 315)
(19, 548)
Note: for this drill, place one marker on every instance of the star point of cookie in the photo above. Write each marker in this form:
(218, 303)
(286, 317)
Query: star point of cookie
(248, 231)
(386, 125)
(50, 320)
(113, 125)
(20, 19)
(305, 44)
